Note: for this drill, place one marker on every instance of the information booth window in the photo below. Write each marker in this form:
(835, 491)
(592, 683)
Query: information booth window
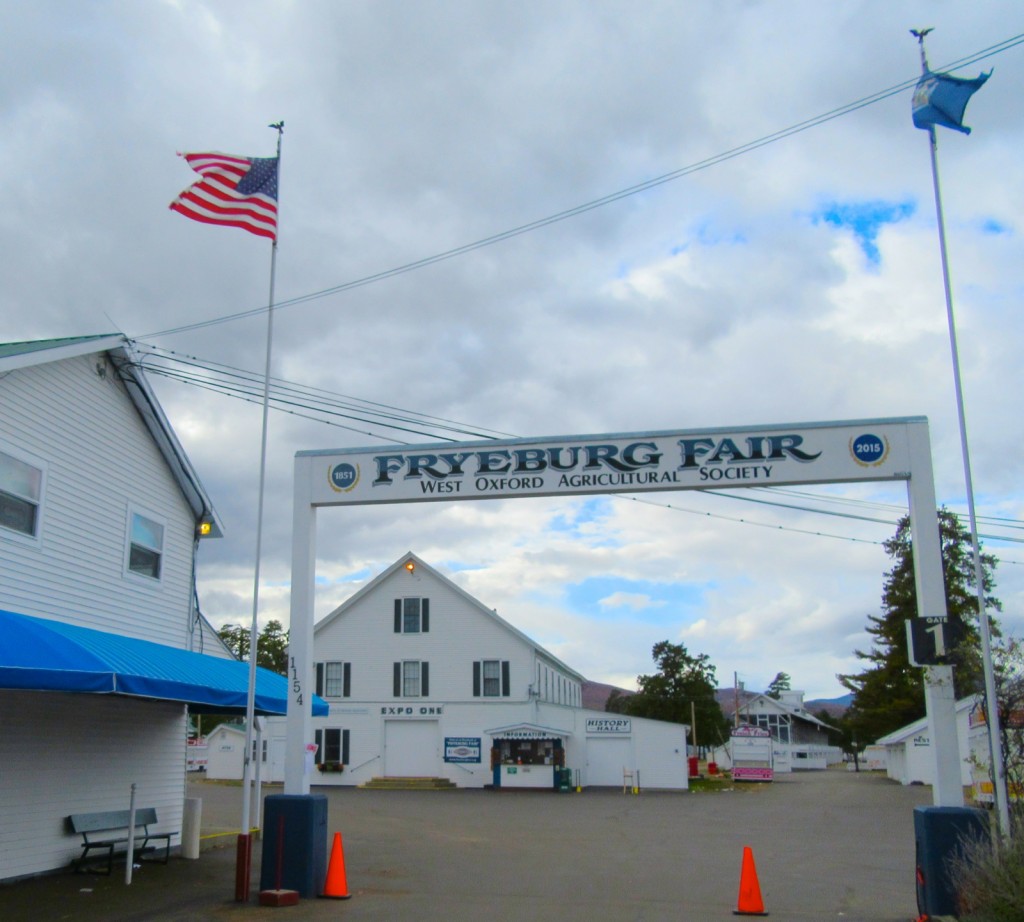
(529, 752)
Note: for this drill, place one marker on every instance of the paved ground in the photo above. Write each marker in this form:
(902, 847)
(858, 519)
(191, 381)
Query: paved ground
(827, 845)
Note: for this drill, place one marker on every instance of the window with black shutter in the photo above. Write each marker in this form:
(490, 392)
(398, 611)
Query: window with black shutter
(332, 745)
(491, 678)
(334, 679)
(411, 679)
(412, 616)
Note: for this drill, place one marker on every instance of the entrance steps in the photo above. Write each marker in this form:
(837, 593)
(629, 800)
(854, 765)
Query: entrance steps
(393, 783)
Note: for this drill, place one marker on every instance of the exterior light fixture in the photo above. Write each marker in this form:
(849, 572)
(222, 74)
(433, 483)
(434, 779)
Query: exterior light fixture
(410, 566)
(204, 529)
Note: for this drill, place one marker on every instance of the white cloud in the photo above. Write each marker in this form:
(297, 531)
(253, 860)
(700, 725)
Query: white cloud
(710, 300)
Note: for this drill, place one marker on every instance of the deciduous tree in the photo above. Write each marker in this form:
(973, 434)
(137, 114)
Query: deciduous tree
(271, 645)
(683, 686)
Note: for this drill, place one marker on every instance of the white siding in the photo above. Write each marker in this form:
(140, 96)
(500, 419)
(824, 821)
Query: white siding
(225, 752)
(62, 754)
(206, 641)
(100, 463)
(459, 634)
(391, 735)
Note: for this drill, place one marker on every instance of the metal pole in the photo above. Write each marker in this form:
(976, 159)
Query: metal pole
(244, 852)
(992, 711)
(130, 860)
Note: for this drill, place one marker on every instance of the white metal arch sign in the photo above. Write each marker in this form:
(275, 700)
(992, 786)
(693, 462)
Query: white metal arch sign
(746, 456)
(705, 459)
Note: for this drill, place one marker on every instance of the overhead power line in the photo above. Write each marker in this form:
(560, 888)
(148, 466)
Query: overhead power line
(601, 202)
(343, 411)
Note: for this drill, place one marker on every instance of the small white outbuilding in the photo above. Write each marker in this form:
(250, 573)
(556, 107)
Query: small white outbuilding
(908, 751)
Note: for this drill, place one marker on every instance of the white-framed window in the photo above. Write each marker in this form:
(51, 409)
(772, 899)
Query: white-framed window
(776, 724)
(411, 679)
(332, 745)
(21, 495)
(145, 545)
(491, 678)
(334, 679)
(491, 675)
(412, 616)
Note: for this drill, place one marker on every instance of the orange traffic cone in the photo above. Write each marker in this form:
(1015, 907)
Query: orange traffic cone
(337, 886)
(750, 902)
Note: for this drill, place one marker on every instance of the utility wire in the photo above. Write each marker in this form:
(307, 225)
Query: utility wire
(246, 386)
(609, 199)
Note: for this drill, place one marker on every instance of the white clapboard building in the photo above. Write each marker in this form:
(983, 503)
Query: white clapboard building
(102, 648)
(425, 681)
(908, 750)
(800, 739)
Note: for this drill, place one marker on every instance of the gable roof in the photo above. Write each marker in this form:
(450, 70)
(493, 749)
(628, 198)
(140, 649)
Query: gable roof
(798, 712)
(119, 350)
(923, 724)
(420, 564)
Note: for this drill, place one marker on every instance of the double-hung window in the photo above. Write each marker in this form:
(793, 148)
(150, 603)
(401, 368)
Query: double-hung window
(331, 745)
(146, 546)
(411, 679)
(21, 490)
(334, 679)
(491, 678)
(412, 616)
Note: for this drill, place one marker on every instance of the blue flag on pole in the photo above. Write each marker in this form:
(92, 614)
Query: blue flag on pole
(941, 100)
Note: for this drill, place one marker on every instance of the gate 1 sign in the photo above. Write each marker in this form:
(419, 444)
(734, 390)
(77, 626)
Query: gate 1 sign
(929, 641)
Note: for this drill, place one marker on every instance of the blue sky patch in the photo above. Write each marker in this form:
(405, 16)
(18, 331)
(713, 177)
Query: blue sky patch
(577, 516)
(456, 566)
(642, 600)
(994, 227)
(864, 219)
(356, 576)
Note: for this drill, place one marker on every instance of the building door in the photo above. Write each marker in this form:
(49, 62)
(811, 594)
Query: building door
(411, 748)
(606, 760)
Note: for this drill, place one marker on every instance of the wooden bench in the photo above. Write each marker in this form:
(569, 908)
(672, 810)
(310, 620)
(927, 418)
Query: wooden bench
(105, 832)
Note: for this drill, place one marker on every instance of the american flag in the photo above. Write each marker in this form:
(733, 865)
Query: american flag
(234, 191)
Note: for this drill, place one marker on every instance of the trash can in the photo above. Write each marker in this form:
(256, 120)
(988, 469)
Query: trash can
(294, 843)
(940, 834)
(712, 768)
(693, 766)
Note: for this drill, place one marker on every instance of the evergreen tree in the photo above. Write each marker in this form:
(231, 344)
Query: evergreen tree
(889, 693)
(684, 686)
(778, 685)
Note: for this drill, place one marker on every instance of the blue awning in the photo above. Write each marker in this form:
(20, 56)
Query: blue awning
(41, 655)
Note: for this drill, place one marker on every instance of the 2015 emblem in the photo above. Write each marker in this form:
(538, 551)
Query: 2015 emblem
(869, 450)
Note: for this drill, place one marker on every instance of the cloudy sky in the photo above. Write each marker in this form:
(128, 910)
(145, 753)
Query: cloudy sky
(796, 281)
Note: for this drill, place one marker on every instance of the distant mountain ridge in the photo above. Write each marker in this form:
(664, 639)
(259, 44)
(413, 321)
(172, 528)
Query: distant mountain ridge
(834, 706)
(595, 696)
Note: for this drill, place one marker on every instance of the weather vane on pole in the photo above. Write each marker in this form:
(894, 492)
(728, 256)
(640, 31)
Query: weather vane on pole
(940, 99)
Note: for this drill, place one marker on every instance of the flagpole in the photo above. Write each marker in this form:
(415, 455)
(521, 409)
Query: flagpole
(243, 868)
(992, 711)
